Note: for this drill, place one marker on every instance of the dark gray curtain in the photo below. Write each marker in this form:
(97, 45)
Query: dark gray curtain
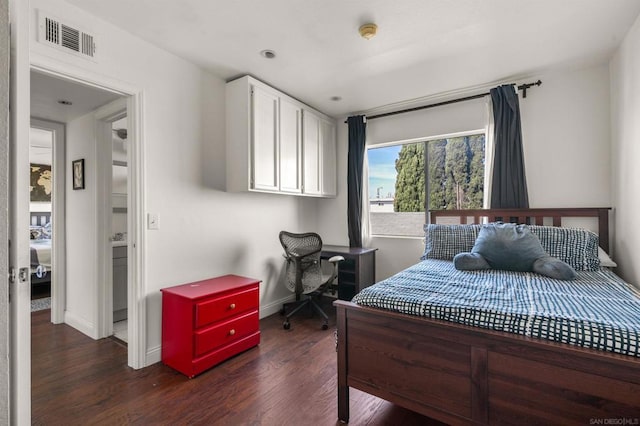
(509, 185)
(357, 136)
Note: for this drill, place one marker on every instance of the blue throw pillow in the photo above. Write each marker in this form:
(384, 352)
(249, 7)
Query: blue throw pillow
(511, 247)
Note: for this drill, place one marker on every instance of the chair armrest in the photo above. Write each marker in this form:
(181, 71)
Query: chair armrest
(336, 259)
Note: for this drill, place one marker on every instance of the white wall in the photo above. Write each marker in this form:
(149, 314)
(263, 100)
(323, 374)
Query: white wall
(565, 126)
(82, 232)
(566, 136)
(625, 125)
(204, 232)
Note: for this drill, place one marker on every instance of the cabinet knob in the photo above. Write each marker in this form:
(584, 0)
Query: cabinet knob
(232, 332)
(232, 306)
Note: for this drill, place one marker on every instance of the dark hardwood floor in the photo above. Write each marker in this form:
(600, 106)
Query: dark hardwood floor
(290, 379)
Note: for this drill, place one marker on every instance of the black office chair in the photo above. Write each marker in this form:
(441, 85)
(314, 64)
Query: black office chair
(304, 272)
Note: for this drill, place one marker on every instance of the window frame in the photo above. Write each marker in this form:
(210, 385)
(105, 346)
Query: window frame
(426, 139)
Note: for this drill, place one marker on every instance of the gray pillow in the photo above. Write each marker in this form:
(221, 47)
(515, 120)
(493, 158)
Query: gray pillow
(511, 247)
(445, 241)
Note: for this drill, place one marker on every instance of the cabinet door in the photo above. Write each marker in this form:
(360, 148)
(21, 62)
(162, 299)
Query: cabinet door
(329, 157)
(311, 153)
(119, 288)
(290, 147)
(264, 138)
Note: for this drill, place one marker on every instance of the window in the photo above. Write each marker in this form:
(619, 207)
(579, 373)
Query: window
(445, 173)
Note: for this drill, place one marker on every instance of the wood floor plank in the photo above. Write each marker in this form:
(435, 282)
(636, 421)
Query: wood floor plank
(289, 379)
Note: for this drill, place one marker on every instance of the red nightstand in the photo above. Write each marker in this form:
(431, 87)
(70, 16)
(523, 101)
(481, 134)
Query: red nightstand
(207, 322)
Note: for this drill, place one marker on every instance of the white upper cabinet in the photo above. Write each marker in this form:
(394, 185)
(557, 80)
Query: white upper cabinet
(312, 154)
(290, 147)
(319, 147)
(329, 157)
(277, 144)
(264, 135)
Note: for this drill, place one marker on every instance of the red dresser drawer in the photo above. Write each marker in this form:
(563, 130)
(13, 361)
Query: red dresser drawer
(223, 307)
(226, 332)
(206, 322)
(223, 353)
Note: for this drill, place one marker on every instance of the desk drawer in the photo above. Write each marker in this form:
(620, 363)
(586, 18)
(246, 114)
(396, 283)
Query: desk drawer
(223, 307)
(225, 333)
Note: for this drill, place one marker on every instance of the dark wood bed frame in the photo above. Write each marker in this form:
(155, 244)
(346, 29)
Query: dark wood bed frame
(467, 375)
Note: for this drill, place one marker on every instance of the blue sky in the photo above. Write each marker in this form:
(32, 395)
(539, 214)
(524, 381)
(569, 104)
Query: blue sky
(382, 170)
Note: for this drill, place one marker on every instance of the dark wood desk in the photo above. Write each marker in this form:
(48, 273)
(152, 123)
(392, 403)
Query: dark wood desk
(356, 272)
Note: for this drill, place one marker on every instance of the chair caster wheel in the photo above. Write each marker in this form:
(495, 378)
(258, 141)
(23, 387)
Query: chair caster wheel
(325, 326)
(286, 325)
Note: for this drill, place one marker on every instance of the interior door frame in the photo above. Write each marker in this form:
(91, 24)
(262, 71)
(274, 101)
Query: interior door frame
(136, 303)
(5, 371)
(58, 248)
(20, 304)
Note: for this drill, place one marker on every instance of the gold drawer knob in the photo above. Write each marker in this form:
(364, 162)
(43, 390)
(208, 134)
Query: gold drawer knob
(232, 306)
(232, 332)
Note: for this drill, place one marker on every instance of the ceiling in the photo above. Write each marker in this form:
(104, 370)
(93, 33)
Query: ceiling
(423, 47)
(47, 91)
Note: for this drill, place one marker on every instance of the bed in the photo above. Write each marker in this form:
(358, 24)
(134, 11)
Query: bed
(460, 373)
(40, 247)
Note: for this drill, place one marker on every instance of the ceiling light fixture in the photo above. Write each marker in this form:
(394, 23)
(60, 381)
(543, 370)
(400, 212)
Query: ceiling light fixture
(269, 54)
(368, 30)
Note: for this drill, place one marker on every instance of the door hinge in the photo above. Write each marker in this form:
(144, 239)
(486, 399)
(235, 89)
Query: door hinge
(12, 275)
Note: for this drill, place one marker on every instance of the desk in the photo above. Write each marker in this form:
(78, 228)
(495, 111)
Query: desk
(356, 272)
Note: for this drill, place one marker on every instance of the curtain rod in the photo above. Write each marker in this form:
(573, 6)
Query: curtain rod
(522, 87)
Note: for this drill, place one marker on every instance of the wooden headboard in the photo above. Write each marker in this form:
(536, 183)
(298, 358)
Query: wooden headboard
(39, 218)
(530, 217)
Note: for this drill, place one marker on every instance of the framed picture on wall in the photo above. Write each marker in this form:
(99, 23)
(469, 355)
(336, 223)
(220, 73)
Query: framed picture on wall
(40, 181)
(77, 168)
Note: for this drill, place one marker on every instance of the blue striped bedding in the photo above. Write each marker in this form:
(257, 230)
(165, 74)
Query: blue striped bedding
(598, 310)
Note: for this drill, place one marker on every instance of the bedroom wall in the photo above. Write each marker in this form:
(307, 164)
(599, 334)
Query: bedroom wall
(204, 232)
(564, 119)
(625, 131)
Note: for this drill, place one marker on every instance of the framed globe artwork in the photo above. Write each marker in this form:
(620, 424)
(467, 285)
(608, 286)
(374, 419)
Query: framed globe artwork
(40, 182)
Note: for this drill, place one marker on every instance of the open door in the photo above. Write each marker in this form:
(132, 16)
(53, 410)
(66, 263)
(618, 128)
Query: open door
(18, 230)
(4, 220)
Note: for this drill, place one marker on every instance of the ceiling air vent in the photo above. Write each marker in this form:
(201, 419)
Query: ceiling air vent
(69, 38)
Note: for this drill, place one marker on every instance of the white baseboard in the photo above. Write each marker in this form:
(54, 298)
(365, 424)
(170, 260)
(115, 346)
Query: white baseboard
(154, 355)
(80, 324)
(274, 307)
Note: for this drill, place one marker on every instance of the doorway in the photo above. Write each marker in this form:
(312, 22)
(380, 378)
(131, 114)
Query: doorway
(46, 217)
(119, 191)
(89, 115)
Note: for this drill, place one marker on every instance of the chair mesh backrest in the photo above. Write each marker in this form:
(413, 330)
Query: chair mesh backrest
(312, 271)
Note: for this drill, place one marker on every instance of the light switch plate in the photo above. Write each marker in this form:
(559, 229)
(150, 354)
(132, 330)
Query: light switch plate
(153, 221)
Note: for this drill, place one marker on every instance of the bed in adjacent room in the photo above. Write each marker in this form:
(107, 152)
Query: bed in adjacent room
(40, 245)
(495, 346)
